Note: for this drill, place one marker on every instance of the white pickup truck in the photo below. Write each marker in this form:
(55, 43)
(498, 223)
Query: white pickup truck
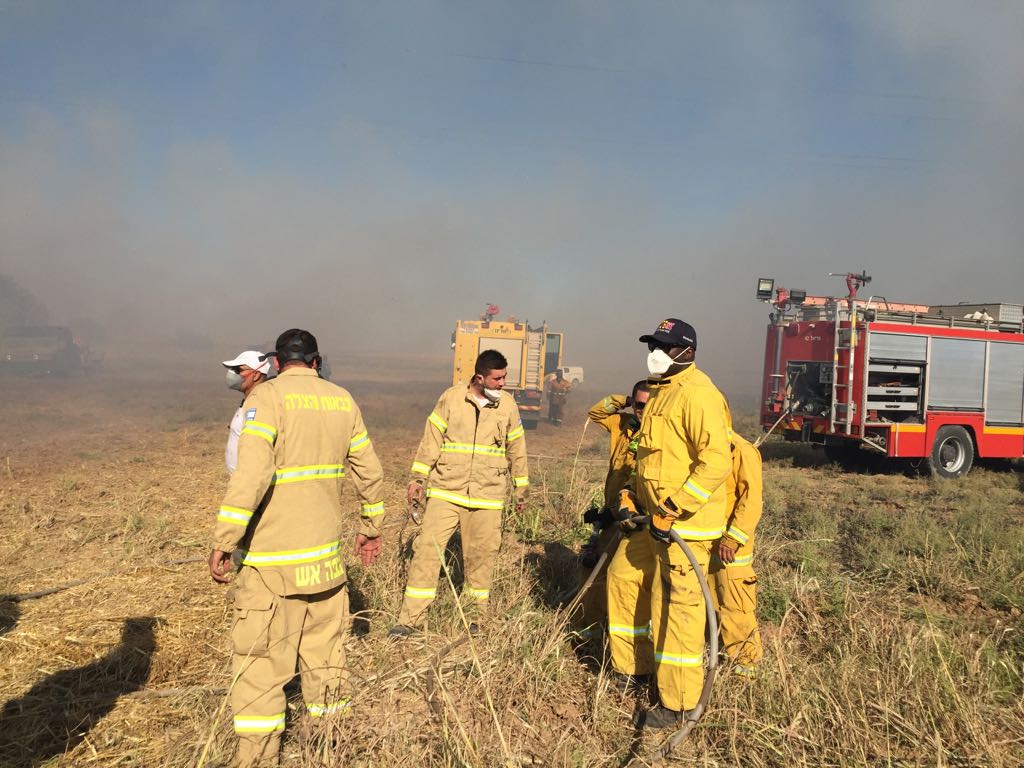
(571, 373)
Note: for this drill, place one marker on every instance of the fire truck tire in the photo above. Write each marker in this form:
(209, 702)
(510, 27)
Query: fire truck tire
(952, 452)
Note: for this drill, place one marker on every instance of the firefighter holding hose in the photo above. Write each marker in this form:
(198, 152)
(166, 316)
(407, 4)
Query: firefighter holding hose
(683, 461)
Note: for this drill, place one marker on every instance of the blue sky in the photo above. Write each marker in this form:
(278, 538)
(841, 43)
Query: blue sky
(352, 163)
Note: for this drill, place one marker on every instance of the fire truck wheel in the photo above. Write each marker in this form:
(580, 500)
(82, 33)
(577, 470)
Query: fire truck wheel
(952, 452)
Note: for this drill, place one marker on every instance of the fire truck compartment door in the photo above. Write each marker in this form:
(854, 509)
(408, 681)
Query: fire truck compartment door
(894, 346)
(512, 349)
(957, 374)
(1005, 384)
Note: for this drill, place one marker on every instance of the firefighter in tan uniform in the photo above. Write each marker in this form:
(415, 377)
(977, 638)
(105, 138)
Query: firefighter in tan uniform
(733, 581)
(290, 601)
(558, 394)
(622, 426)
(683, 461)
(461, 468)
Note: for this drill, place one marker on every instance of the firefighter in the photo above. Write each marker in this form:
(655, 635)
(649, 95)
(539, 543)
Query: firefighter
(622, 425)
(243, 373)
(461, 469)
(683, 460)
(290, 600)
(734, 583)
(558, 393)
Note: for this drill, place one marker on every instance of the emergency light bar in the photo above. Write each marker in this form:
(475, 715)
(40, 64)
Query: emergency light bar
(765, 288)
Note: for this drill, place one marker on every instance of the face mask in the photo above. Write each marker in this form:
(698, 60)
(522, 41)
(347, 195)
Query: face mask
(494, 395)
(234, 380)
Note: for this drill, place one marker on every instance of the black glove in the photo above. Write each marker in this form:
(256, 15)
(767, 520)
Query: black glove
(601, 517)
(588, 556)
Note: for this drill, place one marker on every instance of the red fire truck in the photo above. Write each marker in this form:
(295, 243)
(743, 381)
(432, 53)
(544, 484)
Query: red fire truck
(939, 383)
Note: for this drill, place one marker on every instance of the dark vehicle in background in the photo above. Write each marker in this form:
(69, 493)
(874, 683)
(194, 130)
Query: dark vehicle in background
(46, 349)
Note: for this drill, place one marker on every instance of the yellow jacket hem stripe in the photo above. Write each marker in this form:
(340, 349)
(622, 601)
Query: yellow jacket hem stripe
(420, 468)
(737, 534)
(520, 482)
(438, 422)
(255, 724)
(488, 450)
(465, 501)
(421, 594)
(267, 433)
(673, 660)
(293, 556)
(698, 534)
(696, 491)
(372, 510)
(314, 472)
(359, 442)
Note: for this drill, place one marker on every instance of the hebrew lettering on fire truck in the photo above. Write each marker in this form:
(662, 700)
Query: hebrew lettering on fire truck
(944, 383)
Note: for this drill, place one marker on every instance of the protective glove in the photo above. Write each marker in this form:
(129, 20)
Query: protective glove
(660, 527)
(627, 504)
(727, 550)
(631, 523)
(521, 495)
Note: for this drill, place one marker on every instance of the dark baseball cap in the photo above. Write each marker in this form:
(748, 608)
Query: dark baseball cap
(672, 333)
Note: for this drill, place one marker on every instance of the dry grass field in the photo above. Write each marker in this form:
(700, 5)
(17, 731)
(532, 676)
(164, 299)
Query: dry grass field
(891, 604)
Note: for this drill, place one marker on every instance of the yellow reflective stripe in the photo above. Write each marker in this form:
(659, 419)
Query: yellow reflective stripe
(259, 724)
(438, 422)
(515, 434)
(293, 556)
(479, 594)
(745, 560)
(674, 660)
(698, 534)
(359, 442)
(695, 490)
(737, 534)
(489, 450)
(312, 472)
(234, 515)
(260, 429)
(418, 593)
(625, 630)
(521, 482)
(465, 501)
(320, 710)
(372, 510)
(420, 468)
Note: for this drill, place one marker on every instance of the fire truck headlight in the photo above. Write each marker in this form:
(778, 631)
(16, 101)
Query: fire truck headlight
(765, 288)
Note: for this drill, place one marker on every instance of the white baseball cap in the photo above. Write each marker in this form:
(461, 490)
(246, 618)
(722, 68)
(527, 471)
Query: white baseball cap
(258, 361)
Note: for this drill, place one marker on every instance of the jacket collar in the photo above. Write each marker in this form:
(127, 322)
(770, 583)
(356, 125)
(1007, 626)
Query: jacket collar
(298, 370)
(677, 378)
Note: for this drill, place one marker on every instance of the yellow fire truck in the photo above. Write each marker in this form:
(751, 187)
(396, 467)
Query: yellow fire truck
(532, 353)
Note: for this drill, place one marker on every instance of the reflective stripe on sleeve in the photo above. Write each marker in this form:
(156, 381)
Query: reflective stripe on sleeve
(515, 433)
(259, 724)
(695, 490)
(260, 429)
(421, 593)
(521, 482)
(737, 534)
(312, 472)
(234, 515)
(359, 442)
(465, 501)
(420, 468)
(293, 556)
(675, 660)
(438, 422)
(372, 510)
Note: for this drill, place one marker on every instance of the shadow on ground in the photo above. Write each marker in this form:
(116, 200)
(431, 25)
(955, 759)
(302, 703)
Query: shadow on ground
(55, 715)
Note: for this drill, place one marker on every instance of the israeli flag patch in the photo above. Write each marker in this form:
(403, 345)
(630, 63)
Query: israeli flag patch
(250, 415)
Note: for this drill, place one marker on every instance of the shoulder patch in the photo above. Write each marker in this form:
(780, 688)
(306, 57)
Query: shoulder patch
(250, 415)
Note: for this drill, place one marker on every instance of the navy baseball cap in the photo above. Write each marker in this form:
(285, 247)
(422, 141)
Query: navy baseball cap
(672, 333)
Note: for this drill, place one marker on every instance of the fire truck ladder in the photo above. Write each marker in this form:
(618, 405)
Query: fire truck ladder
(844, 340)
(534, 359)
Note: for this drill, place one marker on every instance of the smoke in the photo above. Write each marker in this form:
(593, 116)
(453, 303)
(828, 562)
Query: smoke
(592, 167)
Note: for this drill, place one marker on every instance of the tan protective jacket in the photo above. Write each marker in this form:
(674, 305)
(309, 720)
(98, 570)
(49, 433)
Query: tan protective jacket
(299, 432)
(683, 454)
(622, 429)
(466, 450)
(744, 491)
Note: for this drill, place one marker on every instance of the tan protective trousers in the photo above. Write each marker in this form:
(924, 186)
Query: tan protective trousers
(630, 580)
(736, 604)
(678, 622)
(593, 609)
(481, 540)
(270, 634)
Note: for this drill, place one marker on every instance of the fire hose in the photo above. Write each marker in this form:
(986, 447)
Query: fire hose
(694, 715)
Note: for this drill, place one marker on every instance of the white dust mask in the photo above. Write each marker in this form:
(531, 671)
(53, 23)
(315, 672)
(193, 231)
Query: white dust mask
(494, 395)
(234, 380)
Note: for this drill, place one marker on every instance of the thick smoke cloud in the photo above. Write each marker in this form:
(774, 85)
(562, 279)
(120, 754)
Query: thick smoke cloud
(594, 167)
